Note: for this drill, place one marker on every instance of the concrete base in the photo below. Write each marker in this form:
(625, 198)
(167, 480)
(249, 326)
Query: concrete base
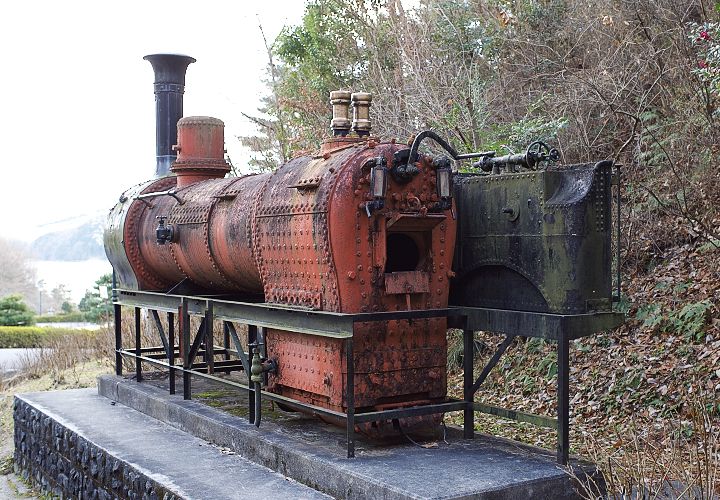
(77, 444)
(313, 453)
(153, 445)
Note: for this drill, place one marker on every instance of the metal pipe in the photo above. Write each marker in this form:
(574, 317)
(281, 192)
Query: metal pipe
(467, 156)
(361, 113)
(169, 192)
(432, 135)
(258, 404)
(169, 89)
(256, 371)
(340, 123)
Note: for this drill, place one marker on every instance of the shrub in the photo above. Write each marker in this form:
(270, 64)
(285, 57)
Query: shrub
(690, 321)
(33, 336)
(14, 311)
(72, 317)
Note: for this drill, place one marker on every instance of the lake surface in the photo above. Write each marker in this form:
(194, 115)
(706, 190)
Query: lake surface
(77, 276)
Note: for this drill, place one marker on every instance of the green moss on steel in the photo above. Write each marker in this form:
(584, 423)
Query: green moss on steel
(536, 241)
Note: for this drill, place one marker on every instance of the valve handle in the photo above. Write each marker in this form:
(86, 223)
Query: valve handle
(539, 152)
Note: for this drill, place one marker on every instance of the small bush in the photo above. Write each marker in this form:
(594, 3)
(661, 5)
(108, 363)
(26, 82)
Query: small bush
(650, 315)
(32, 336)
(14, 311)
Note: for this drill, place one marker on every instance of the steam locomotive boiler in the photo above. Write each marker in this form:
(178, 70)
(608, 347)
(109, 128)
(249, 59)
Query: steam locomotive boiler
(370, 233)
(342, 230)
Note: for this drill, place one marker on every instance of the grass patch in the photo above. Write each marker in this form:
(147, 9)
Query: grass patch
(78, 376)
(34, 336)
(6, 465)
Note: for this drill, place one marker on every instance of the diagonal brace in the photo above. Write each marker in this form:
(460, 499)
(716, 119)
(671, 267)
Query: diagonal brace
(161, 331)
(238, 347)
(493, 361)
(196, 343)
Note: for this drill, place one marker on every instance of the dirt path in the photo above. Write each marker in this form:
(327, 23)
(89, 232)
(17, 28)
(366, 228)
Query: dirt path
(11, 485)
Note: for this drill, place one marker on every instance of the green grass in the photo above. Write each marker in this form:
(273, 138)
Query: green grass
(34, 336)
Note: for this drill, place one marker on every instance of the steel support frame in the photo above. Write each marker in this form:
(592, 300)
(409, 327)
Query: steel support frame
(552, 327)
(471, 386)
(258, 316)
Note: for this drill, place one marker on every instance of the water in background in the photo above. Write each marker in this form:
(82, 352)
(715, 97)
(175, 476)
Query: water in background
(77, 276)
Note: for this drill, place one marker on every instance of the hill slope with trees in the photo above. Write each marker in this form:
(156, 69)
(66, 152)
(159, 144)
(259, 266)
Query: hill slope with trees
(634, 81)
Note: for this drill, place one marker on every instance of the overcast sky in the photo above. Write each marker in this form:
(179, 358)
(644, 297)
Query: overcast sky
(76, 98)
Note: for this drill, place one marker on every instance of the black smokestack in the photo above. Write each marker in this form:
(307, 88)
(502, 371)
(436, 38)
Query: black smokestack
(169, 88)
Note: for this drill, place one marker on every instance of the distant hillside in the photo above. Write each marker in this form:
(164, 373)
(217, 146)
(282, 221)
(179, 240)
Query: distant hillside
(75, 243)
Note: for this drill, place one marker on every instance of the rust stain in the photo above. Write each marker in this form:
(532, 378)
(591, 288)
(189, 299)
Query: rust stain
(407, 282)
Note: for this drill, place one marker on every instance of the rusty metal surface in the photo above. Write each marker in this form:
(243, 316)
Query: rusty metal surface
(113, 237)
(201, 150)
(192, 251)
(396, 364)
(148, 266)
(230, 232)
(292, 234)
(302, 237)
(407, 282)
(212, 244)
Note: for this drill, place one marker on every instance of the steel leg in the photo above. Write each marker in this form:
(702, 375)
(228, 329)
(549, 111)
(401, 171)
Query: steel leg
(252, 338)
(350, 398)
(209, 339)
(226, 340)
(563, 402)
(171, 347)
(118, 339)
(187, 390)
(468, 376)
(138, 352)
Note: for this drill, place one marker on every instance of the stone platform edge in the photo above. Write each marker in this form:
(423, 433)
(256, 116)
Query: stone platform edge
(52, 455)
(290, 458)
(271, 450)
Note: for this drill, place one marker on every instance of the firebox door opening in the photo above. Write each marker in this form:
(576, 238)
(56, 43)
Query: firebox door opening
(402, 252)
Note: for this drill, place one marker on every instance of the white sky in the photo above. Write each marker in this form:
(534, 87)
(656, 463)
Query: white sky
(77, 112)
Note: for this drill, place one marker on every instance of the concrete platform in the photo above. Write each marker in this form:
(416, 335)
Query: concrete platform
(77, 444)
(313, 453)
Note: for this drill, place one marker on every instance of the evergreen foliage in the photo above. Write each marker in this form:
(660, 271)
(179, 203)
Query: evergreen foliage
(14, 312)
(96, 307)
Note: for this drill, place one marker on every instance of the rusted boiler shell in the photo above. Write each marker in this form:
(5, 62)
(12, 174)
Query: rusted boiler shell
(302, 236)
